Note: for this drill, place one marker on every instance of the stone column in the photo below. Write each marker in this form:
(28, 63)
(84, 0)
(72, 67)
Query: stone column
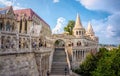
(82, 54)
(78, 54)
(30, 42)
(0, 40)
(75, 55)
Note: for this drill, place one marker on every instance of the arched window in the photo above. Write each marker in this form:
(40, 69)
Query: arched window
(13, 26)
(2, 42)
(1, 26)
(20, 28)
(78, 43)
(76, 32)
(79, 32)
(25, 26)
(8, 26)
(72, 44)
(20, 43)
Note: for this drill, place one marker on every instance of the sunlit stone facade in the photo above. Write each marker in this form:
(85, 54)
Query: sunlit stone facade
(78, 45)
(23, 45)
(27, 46)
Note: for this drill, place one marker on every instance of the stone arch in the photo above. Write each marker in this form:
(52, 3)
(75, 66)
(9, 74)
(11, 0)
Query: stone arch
(8, 26)
(59, 43)
(25, 24)
(1, 26)
(20, 27)
(8, 42)
(79, 43)
(13, 26)
(2, 42)
(20, 42)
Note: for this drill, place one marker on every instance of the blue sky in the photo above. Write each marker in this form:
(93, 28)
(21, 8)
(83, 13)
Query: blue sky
(104, 15)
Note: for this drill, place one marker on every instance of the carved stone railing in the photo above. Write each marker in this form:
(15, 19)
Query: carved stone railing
(8, 45)
(68, 61)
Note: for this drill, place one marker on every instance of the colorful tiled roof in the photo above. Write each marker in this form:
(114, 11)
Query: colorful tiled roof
(28, 12)
(5, 10)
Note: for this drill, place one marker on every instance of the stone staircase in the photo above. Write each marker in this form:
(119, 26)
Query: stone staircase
(59, 63)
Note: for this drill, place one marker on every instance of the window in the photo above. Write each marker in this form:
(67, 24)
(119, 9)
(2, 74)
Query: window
(1, 26)
(13, 27)
(25, 26)
(78, 43)
(79, 32)
(76, 32)
(20, 29)
(8, 26)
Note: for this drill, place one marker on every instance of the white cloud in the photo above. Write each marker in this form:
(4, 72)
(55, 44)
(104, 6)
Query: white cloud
(107, 29)
(103, 5)
(59, 26)
(6, 2)
(55, 1)
(15, 4)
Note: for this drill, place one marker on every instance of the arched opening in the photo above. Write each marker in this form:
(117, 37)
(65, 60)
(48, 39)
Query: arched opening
(59, 43)
(25, 26)
(8, 26)
(59, 58)
(78, 43)
(13, 26)
(20, 28)
(1, 26)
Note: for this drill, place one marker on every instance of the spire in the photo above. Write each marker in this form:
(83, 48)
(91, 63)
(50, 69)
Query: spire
(90, 29)
(78, 22)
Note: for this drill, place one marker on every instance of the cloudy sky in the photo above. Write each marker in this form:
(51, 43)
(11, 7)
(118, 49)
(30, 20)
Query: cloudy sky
(104, 15)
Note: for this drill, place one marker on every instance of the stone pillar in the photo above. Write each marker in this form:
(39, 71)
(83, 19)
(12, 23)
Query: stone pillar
(82, 54)
(75, 55)
(0, 40)
(23, 26)
(30, 42)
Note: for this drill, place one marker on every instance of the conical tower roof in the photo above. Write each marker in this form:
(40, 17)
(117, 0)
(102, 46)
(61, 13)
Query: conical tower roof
(90, 29)
(78, 23)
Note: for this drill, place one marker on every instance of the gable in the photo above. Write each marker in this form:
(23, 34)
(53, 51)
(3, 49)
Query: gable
(10, 12)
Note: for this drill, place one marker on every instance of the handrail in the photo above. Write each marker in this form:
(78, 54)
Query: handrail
(68, 61)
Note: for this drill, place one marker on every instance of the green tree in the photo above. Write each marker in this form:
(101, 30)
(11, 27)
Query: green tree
(87, 66)
(90, 63)
(69, 27)
(116, 62)
(109, 64)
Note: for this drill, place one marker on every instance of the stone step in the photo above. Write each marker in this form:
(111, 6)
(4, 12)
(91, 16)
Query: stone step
(59, 62)
(63, 60)
(59, 56)
(59, 66)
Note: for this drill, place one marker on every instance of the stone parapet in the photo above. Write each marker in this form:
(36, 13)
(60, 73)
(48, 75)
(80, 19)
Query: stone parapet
(18, 65)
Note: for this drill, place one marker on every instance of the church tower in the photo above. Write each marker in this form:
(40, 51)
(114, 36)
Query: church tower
(78, 29)
(90, 31)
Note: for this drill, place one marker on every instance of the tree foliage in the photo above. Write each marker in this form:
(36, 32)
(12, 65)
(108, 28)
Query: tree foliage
(103, 63)
(69, 27)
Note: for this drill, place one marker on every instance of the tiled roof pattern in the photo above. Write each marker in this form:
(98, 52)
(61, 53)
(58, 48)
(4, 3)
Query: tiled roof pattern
(5, 10)
(28, 12)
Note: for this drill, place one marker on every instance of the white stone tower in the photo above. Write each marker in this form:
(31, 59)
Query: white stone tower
(90, 31)
(78, 29)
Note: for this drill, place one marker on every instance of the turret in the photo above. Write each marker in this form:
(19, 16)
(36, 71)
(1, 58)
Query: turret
(90, 31)
(78, 29)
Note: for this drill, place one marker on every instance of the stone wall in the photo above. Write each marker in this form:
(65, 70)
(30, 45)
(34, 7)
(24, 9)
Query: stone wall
(34, 63)
(18, 65)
